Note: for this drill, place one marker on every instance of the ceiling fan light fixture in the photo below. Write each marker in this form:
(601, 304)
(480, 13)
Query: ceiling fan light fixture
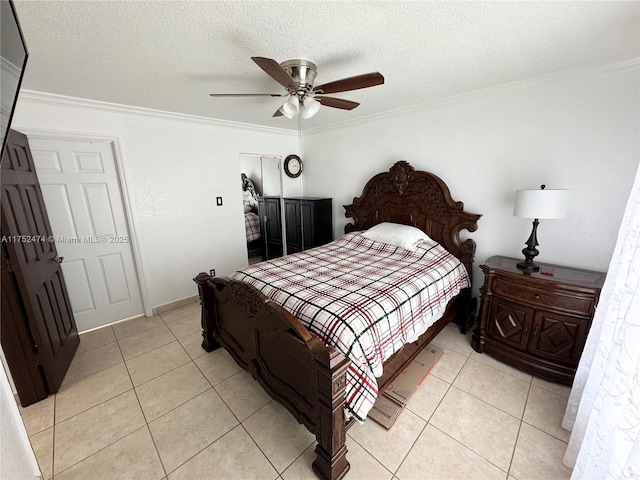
(310, 107)
(291, 107)
(297, 76)
(282, 111)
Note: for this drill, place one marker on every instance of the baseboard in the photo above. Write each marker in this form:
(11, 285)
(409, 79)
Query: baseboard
(176, 304)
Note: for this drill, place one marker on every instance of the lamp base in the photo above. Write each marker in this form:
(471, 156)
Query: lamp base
(528, 266)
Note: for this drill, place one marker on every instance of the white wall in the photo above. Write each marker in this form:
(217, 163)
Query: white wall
(174, 166)
(17, 460)
(578, 132)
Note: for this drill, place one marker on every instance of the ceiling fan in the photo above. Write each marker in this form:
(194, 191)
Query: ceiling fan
(297, 76)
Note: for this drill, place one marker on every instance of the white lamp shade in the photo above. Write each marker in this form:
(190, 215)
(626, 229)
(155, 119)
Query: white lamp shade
(285, 113)
(291, 106)
(541, 203)
(309, 108)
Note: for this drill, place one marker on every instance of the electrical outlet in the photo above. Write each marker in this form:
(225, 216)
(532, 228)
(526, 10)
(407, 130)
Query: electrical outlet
(212, 272)
(219, 201)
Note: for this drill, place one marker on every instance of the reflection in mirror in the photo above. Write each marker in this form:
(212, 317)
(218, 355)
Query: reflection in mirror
(262, 199)
(13, 58)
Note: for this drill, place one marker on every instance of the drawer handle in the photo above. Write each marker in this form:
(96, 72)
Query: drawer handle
(526, 330)
(535, 333)
(536, 296)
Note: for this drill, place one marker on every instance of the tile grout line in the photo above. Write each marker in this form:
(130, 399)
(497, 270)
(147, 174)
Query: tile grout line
(436, 408)
(200, 451)
(174, 337)
(146, 423)
(372, 455)
(394, 473)
(167, 322)
(97, 371)
(105, 327)
(501, 371)
(205, 376)
(515, 445)
(100, 450)
(262, 451)
(426, 424)
(488, 403)
(96, 405)
(162, 374)
(471, 450)
(545, 432)
(428, 421)
(118, 339)
(196, 311)
(225, 402)
(294, 461)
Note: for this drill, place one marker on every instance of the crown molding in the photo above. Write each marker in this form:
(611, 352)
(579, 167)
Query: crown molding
(9, 68)
(527, 84)
(34, 96)
(555, 78)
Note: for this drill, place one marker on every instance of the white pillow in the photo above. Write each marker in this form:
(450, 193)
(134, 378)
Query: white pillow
(396, 234)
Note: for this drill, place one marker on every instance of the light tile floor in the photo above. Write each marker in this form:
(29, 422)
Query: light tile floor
(142, 400)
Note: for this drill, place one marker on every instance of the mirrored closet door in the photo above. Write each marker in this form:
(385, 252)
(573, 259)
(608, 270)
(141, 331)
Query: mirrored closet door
(262, 202)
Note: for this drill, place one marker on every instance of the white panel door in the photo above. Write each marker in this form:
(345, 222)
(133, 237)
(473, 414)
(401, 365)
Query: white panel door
(79, 182)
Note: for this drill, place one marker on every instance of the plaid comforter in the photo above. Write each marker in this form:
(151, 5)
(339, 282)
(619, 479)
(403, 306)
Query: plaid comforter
(252, 226)
(363, 297)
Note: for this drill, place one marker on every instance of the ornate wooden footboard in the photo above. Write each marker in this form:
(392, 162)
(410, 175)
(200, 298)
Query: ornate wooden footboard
(293, 365)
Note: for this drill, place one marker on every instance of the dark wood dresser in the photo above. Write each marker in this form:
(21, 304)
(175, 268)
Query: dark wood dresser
(308, 222)
(537, 322)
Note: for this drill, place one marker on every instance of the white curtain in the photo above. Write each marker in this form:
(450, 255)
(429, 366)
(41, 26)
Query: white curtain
(603, 411)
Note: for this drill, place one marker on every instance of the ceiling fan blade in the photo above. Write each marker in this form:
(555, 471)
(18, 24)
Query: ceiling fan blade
(247, 95)
(276, 72)
(337, 103)
(352, 83)
(278, 113)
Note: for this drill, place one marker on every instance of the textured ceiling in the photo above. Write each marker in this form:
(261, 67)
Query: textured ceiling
(171, 55)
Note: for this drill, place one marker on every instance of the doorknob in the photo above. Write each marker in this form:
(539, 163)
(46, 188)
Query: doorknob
(59, 259)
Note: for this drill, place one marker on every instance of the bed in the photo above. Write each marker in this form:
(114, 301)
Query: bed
(294, 365)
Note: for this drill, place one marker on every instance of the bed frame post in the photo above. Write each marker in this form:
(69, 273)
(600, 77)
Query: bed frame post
(209, 344)
(331, 461)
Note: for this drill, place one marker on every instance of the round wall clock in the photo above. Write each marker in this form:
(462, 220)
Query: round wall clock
(293, 166)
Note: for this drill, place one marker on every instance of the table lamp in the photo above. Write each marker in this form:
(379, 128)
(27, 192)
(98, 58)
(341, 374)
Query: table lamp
(538, 204)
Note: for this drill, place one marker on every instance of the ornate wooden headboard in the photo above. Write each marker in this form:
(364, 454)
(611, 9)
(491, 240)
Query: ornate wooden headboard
(416, 198)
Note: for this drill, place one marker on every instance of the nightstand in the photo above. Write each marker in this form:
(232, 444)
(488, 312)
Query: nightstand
(536, 322)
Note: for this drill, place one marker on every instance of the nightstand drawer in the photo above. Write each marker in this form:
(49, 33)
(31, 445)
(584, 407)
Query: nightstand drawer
(543, 298)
